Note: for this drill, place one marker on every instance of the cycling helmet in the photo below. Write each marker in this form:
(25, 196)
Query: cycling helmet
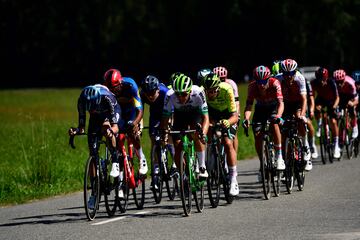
(221, 72)
(150, 83)
(275, 70)
(112, 78)
(202, 74)
(288, 65)
(182, 84)
(322, 73)
(356, 76)
(211, 80)
(339, 75)
(90, 95)
(174, 76)
(261, 73)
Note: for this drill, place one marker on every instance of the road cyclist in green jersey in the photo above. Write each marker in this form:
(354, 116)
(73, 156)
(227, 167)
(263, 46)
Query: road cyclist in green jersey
(222, 109)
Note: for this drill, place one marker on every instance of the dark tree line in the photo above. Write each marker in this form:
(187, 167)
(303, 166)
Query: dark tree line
(72, 43)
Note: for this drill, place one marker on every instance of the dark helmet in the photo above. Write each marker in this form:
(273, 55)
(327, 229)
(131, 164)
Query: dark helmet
(322, 73)
(150, 83)
(91, 96)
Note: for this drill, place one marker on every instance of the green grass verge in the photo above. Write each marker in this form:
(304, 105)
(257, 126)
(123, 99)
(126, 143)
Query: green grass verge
(37, 161)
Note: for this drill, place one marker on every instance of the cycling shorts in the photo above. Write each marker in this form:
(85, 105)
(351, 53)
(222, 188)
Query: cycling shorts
(261, 114)
(183, 120)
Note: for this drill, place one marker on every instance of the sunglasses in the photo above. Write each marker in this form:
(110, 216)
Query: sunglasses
(212, 90)
(289, 74)
(181, 94)
(262, 82)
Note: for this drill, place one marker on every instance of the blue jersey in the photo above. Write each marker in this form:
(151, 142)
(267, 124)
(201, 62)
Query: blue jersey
(107, 107)
(129, 97)
(156, 107)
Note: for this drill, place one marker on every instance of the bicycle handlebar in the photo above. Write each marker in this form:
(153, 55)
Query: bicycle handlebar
(71, 140)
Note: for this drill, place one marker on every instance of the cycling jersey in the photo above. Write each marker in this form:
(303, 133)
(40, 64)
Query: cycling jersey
(129, 96)
(271, 95)
(348, 89)
(293, 92)
(223, 105)
(328, 92)
(234, 87)
(108, 108)
(156, 107)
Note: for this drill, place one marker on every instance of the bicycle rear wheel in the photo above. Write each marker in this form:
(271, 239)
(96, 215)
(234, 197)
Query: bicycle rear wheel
(264, 169)
(185, 188)
(290, 155)
(156, 156)
(171, 181)
(91, 188)
(111, 188)
(213, 181)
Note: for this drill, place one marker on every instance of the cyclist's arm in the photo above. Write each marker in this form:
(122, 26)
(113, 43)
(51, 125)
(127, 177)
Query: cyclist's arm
(247, 113)
(82, 116)
(303, 104)
(233, 118)
(280, 108)
(336, 103)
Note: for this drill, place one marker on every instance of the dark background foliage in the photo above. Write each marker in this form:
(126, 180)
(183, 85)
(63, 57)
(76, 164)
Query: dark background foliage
(72, 43)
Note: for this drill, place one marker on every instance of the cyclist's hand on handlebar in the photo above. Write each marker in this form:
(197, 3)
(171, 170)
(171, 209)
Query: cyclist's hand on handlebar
(245, 123)
(303, 118)
(225, 123)
(278, 120)
(75, 131)
(109, 133)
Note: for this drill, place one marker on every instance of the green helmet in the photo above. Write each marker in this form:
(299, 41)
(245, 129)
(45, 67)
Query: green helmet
(275, 70)
(182, 83)
(174, 76)
(211, 81)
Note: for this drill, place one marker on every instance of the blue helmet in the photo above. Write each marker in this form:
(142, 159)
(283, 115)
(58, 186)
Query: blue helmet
(150, 83)
(356, 76)
(91, 96)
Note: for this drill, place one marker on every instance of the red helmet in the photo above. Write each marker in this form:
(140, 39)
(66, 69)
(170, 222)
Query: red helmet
(261, 73)
(220, 71)
(339, 75)
(322, 73)
(112, 78)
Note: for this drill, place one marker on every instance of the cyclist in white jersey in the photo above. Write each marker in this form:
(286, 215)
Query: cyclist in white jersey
(188, 105)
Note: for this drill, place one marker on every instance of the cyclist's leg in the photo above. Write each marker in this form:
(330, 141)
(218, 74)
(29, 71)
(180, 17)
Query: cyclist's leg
(231, 162)
(353, 117)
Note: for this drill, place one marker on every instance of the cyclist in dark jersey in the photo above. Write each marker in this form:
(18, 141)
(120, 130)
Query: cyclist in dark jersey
(153, 93)
(104, 113)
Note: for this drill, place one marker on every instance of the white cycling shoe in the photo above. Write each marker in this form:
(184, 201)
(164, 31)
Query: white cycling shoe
(143, 167)
(280, 164)
(115, 171)
(308, 165)
(337, 153)
(314, 154)
(234, 189)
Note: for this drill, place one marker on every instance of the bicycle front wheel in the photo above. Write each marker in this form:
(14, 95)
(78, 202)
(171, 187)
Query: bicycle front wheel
(264, 169)
(156, 156)
(185, 188)
(290, 155)
(91, 188)
(111, 189)
(213, 181)
(139, 191)
(323, 149)
(171, 181)
(300, 164)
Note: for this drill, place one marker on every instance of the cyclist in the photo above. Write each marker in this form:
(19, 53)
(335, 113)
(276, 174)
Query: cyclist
(104, 113)
(294, 91)
(221, 102)
(223, 73)
(153, 93)
(201, 74)
(275, 70)
(128, 97)
(188, 105)
(310, 115)
(348, 97)
(327, 96)
(266, 90)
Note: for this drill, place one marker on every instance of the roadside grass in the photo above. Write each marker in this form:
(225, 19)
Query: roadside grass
(37, 161)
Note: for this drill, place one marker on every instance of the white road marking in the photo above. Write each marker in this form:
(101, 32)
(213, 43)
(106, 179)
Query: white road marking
(119, 218)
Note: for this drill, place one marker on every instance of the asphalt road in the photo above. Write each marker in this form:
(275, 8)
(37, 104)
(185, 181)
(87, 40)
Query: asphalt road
(328, 208)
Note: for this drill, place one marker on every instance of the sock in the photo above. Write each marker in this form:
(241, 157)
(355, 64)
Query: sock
(336, 141)
(278, 149)
(319, 122)
(201, 157)
(233, 173)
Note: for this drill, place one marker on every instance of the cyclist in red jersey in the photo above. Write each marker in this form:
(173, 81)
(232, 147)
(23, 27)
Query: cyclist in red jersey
(295, 100)
(327, 96)
(267, 92)
(348, 97)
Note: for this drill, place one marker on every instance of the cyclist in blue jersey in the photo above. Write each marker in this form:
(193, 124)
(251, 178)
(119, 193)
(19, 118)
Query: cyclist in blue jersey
(104, 113)
(153, 93)
(128, 97)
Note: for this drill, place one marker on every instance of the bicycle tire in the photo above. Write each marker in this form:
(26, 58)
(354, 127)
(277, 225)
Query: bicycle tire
(172, 182)
(139, 191)
(290, 165)
(185, 188)
(156, 155)
(123, 202)
(91, 213)
(323, 148)
(276, 181)
(213, 181)
(199, 196)
(300, 165)
(264, 169)
(111, 188)
(356, 147)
